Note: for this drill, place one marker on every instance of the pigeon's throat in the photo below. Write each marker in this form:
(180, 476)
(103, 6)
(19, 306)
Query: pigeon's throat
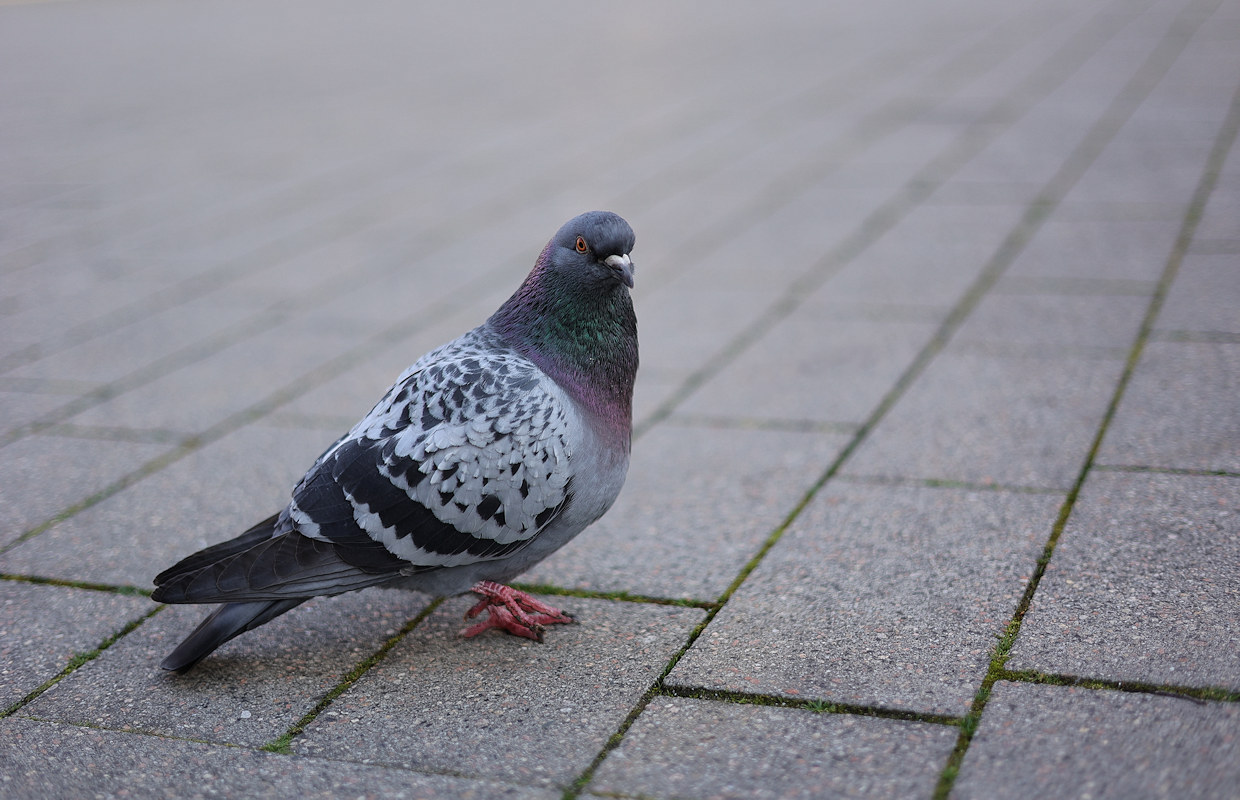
(587, 345)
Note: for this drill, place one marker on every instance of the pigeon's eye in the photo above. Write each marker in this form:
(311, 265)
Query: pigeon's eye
(581, 245)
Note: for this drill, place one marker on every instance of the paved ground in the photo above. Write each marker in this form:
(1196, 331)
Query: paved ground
(936, 483)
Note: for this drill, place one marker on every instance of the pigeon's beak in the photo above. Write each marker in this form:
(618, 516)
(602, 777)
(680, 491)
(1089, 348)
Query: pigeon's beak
(623, 267)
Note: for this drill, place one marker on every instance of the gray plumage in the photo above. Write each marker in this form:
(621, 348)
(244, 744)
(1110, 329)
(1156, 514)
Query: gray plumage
(485, 456)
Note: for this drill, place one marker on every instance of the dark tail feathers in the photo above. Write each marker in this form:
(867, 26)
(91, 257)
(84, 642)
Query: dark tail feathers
(227, 621)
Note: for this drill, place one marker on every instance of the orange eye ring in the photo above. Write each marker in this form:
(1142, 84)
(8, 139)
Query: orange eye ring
(582, 247)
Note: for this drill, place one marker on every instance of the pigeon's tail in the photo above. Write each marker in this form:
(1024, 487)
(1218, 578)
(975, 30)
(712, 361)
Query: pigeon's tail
(227, 621)
(258, 576)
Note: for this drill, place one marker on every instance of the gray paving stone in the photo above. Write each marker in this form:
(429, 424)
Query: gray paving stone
(681, 325)
(698, 504)
(77, 300)
(195, 397)
(248, 692)
(501, 707)
(809, 367)
(1140, 165)
(958, 191)
(1143, 585)
(1204, 296)
(48, 759)
(207, 497)
(702, 749)
(1010, 421)
(21, 408)
(1221, 217)
(126, 349)
(650, 394)
(1179, 409)
(1079, 743)
(804, 232)
(878, 596)
(40, 476)
(931, 256)
(43, 627)
(1055, 321)
(1068, 246)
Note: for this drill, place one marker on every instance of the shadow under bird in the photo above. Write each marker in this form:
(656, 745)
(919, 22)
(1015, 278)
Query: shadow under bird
(484, 457)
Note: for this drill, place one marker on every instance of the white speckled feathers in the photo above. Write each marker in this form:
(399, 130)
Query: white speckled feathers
(474, 434)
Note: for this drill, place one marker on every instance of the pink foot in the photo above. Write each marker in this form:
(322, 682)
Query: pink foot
(513, 611)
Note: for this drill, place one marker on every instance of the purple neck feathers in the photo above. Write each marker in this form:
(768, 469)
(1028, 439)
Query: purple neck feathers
(583, 336)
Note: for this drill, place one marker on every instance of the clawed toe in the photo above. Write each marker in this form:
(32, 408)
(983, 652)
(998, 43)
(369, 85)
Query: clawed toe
(512, 610)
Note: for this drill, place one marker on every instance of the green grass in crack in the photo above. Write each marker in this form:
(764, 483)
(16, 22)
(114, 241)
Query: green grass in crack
(284, 744)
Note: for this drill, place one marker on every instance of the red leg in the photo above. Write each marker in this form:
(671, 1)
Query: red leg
(513, 611)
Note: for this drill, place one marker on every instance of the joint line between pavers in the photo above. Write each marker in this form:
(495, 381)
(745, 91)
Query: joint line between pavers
(816, 706)
(79, 659)
(1204, 473)
(148, 373)
(1142, 82)
(93, 726)
(941, 483)
(1196, 694)
(620, 596)
(283, 744)
(759, 424)
(124, 482)
(132, 591)
(1195, 337)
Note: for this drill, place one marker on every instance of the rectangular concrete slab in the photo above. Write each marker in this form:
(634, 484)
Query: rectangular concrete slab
(1143, 585)
(1139, 163)
(1088, 322)
(697, 506)
(49, 759)
(42, 476)
(888, 596)
(1221, 219)
(813, 367)
(211, 495)
(702, 749)
(167, 336)
(200, 394)
(248, 692)
(43, 627)
(1179, 410)
(988, 419)
(1204, 297)
(685, 323)
(931, 256)
(21, 407)
(501, 707)
(1102, 745)
(1069, 246)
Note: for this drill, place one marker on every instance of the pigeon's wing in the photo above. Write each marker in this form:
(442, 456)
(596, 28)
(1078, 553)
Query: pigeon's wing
(466, 459)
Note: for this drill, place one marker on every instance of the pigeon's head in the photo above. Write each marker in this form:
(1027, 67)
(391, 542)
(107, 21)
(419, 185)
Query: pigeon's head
(594, 247)
(573, 317)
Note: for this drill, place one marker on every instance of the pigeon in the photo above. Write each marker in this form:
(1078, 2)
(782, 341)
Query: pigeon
(486, 456)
